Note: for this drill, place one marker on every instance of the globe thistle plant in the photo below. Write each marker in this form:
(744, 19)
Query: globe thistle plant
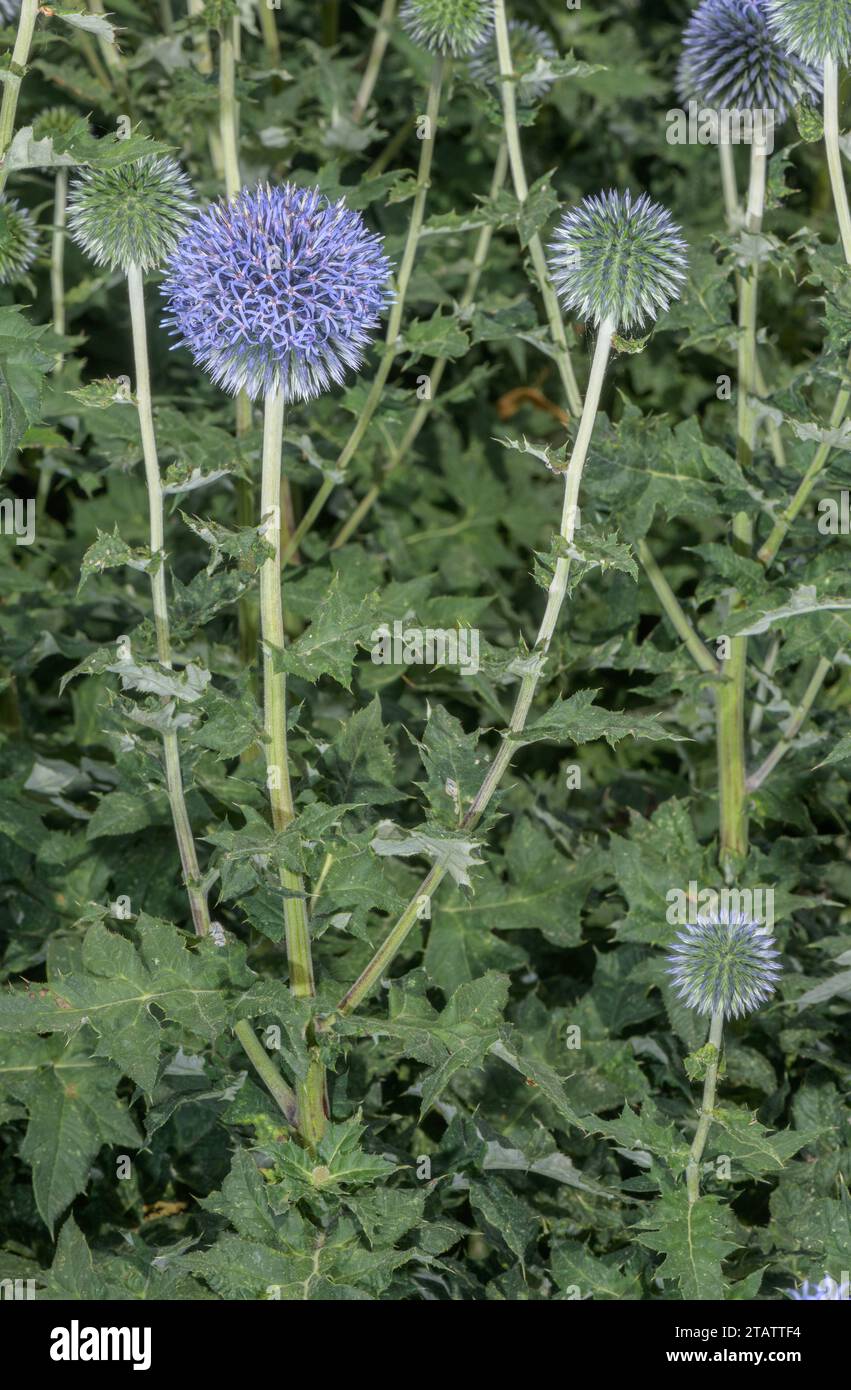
(618, 260)
(453, 28)
(531, 51)
(130, 218)
(724, 963)
(827, 1291)
(813, 29)
(132, 215)
(733, 60)
(18, 240)
(277, 291)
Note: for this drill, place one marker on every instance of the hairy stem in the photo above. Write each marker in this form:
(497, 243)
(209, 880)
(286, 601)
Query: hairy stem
(376, 58)
(675, 612)
(14, 78)
(793, 728)
(57, 256)
(834, 155)
(707, 1107)
(400, 452)
(732, 792)
(372, 973)
(394, 323)
(267, 1071)
(768, 551)
(269, 30)
(521, 190)
(171, 754)
(311, 1104)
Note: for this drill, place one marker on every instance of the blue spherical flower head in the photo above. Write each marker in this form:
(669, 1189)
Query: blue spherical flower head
(18, 240)
(724, 962)
(278, 290)
(455, 27)
(813, 29)
(828, 1291)
(733, 60)
(532, 51)
(616, 258)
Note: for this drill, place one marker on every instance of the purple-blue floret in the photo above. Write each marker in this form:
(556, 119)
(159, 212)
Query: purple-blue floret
(277, 290)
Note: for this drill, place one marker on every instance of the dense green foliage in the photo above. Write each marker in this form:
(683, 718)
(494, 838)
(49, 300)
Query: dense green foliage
(511, 1110)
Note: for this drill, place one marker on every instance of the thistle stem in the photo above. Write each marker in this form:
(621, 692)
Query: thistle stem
(729, 186)
(57, 256)
(171, 753)
(521, 190)
(376, 58)
(372, 973)
(14, 78)
(266, 1070)
(228, 108)
(269, 30)
(732, 792)
(394, 324)
(311, 1093)
(834, 155)
(675, 612)
(707, 1107)
(768, 551)
(400, 452)
(793, 728)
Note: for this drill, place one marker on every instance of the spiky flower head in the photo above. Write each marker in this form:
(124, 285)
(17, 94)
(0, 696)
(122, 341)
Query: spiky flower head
(278, 290)
(18, 240)
(56, 121)
(455, 27)
(532, 50)
(615, 258)
(131, 215)
(827, 1291)
(724, 962)
(732, 60)
(813, 29)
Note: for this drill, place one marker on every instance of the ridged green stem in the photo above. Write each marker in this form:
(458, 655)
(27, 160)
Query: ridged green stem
(14, 78)
(269, 30)
(793, 728)
(707, 1107)
(376, 58)
(171, 753)
(400, 452)
(521, 190)
(768, 551)
(269, 1074)
(675, 612)
(372, 973)
(311, 1094)
(731, 699)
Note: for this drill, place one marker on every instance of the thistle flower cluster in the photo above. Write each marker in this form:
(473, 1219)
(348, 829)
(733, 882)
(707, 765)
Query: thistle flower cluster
(455, 27)
(132, 214)
(55, 122)
(277, 290)
(826, 1291)
(734, 60)
(813, 29)
(615, 258)
(18, 240)
(531, 51)
(724, 962)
